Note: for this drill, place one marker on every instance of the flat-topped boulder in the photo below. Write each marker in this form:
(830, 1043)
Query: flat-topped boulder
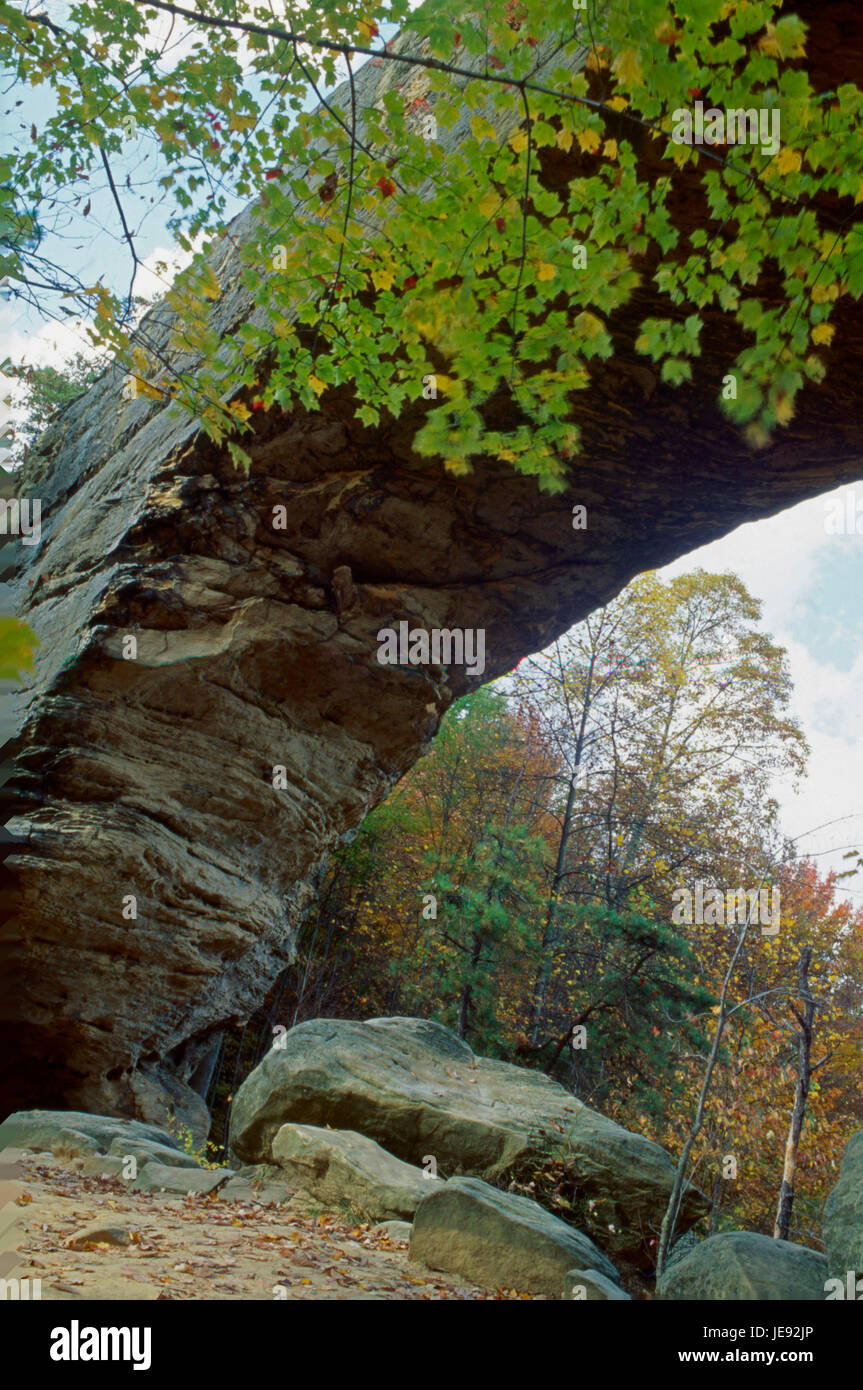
(73, 1133)
(346, 1169)
(158, 1177)
(500, 1240)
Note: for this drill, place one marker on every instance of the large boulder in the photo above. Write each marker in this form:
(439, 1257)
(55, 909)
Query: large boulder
(157, 1177)
(843, 1215)
(745, 1265)
(344, 1168)
(418, 1090)
(72, 1133)
(500, 1240)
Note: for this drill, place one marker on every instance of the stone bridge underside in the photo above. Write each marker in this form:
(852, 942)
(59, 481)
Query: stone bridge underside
(256, 647)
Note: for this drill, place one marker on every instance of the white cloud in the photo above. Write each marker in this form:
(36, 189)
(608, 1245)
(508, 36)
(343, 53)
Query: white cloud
(157, 271)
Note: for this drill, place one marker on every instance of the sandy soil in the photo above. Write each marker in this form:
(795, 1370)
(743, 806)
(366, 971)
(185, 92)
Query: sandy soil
(205, 1248)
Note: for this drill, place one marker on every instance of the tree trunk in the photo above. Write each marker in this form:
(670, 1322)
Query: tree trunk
(543, 975)
(801, 1091)
(467, 991)
(715, 1204)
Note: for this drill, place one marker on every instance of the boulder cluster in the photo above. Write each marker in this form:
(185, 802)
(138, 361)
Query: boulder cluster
(398, 1122)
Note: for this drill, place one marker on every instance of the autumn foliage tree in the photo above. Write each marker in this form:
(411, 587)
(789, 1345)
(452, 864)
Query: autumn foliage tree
(661, 719)
(377, 259)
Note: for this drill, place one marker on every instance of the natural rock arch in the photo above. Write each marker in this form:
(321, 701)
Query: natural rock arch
(257, 647)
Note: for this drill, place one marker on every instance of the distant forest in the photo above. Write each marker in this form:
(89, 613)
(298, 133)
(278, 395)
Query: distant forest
(519, 887)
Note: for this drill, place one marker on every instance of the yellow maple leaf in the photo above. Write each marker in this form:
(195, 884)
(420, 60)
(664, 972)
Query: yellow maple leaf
(482, 129)
(518, 141)
(666, 32)
(239, 410)
(238, 122)
(823, 294)
(564, 141)
(382, 279)
(768, 44)
(588, 325)
(145, 388)
(788, 161)
(207, 283)
(784, 410)
(823, 333)
(756, 435)
(544, 271)
(489, 202)
(589, 141)
(317, 385)
(617, 103)
(609, 149)
(449, 385)
(627, 66)
(597, 58)
(459, 466)
(858, 196)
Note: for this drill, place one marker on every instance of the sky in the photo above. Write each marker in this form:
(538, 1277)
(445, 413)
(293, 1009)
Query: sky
(809, 579)
(806, 572)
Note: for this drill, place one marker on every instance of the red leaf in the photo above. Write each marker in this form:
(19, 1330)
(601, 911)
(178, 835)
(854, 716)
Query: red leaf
(87, 208)
(496, 62)
(410, 282)
(386, 186)
(274, 173)
(500, 223)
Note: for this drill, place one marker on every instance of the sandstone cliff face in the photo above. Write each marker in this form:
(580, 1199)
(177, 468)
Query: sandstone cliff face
(256, 647)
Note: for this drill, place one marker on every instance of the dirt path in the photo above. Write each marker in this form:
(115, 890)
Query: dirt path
(207, 1248)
